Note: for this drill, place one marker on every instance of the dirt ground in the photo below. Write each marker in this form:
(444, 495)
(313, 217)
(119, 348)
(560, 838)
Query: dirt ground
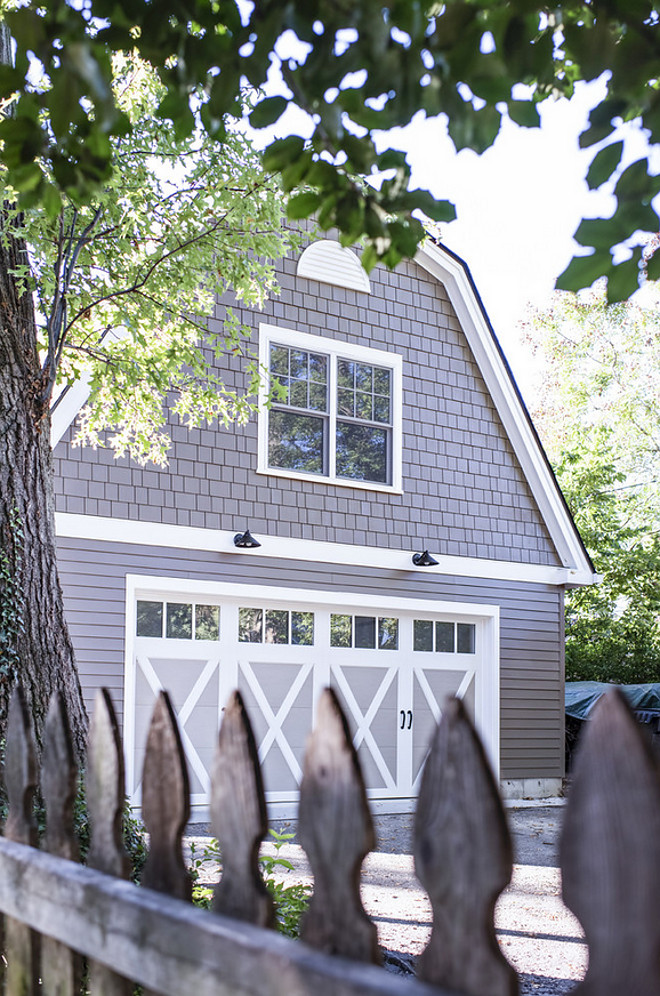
(535, 931)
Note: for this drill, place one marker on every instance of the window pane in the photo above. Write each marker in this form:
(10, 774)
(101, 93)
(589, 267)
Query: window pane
(388, 634)
(250, 623)
(382, 381)
(364, 377)
(318, 397)
(465, 638)
(277, 626)
(345, 374)
(298, 364)
(381, 409)
(149, 619)
(318, 368)
(422, 634)
(363, 406)
(345, 402)
(207, 622)
(302, 629)
(179, 621)
(341, 631)
(279, 360)
(365, 632)
(362, 452)
(298, 395)
(295, 442)
(280, 390)
(444, 637)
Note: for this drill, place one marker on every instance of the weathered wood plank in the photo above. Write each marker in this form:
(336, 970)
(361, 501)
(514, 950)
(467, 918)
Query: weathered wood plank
(463, 858)
(610, 853)
(171, 946)
(336, 831)
(165, 804)
(61, 968)
(239, 820)
(20, 942)
(104, 787)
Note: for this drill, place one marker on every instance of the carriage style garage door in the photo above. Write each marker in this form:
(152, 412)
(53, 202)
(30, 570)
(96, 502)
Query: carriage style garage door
(391, 662)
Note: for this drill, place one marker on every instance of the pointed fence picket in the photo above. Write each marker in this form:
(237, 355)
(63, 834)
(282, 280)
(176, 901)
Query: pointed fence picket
(152, 936)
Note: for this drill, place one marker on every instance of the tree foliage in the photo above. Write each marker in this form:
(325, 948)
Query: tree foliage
(126, 282)
(598, 411)
(357, 71)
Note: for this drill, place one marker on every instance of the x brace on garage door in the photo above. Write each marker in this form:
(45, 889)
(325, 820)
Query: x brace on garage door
(392, 662)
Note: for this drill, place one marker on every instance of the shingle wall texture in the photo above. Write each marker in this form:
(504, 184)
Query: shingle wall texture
(463, 490)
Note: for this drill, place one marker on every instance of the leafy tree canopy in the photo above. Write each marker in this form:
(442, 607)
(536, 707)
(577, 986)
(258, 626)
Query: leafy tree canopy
(359, 69)
(125, 282)
(598, 411)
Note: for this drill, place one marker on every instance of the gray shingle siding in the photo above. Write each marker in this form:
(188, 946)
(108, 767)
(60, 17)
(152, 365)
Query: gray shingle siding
(531, 662)
(464, 492)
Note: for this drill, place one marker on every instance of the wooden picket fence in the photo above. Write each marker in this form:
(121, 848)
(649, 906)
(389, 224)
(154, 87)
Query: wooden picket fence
(61, 917)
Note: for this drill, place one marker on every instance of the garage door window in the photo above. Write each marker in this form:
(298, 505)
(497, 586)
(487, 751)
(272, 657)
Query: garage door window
(364, 632)
(179, 620)
(275, 626)
(444, 637)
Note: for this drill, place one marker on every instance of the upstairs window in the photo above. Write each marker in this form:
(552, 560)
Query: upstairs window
(333, 413)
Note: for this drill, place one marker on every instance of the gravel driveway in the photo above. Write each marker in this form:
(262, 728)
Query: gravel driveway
(536, 932)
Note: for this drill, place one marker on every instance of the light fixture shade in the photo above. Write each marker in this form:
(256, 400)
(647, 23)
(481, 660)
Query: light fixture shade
(424, 559)
(246, 540)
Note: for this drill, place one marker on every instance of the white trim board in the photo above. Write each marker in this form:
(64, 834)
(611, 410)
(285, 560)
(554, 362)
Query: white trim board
(141, 533)
(453, 273)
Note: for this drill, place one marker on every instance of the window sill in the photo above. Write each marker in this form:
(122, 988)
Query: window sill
(338, 481)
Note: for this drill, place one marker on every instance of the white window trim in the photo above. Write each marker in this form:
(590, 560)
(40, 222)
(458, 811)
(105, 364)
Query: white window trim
(334, 348)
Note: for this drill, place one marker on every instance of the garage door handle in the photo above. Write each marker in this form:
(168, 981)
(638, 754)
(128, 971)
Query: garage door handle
(406, 714)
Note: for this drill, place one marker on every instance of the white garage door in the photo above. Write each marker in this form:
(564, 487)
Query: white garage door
(391, 663)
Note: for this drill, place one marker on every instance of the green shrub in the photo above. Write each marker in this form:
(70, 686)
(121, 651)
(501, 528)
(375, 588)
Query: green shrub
(291, 901)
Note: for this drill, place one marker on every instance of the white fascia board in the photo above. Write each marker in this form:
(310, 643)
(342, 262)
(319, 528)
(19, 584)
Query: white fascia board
(72, 398)
(452, 272)
(104, 529)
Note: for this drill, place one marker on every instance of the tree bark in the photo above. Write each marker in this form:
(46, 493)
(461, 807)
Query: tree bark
(35, 647)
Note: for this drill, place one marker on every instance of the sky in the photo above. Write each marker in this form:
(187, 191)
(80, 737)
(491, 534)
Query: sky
(518, 206)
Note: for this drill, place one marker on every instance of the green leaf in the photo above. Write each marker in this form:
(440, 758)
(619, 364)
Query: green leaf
(653, 266)
(583, 270)
(282, 153)
(422, 200)
(596, 232)
(303, 204)
(27, 177)
(603, 165)
(635, 183)
(52, 200)
(524, 113)
(268, 111)
(623, 279)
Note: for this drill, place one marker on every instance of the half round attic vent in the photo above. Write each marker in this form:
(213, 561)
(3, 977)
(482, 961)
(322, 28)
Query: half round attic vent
(331, 263)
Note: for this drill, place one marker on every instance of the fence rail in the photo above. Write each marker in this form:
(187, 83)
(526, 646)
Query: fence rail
(58, 912)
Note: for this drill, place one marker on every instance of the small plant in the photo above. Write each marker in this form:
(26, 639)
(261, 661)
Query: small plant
(291, 901)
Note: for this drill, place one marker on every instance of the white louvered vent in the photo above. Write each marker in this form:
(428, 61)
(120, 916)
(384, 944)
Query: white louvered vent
(331, 263)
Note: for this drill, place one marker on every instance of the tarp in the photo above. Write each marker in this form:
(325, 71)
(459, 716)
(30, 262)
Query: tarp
(581, 696)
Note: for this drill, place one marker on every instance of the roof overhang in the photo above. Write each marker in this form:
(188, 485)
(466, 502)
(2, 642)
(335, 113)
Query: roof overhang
(455, 275)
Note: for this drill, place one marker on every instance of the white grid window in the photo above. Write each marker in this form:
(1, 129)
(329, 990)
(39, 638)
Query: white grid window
(329, 411)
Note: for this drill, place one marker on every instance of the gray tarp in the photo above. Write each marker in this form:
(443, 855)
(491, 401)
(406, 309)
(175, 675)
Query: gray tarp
(581, 696)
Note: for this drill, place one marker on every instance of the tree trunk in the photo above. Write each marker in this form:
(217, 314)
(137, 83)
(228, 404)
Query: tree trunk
(35, 647)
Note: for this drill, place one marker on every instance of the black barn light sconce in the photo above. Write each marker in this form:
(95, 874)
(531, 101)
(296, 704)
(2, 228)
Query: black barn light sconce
(246, 541)
(424, 559)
